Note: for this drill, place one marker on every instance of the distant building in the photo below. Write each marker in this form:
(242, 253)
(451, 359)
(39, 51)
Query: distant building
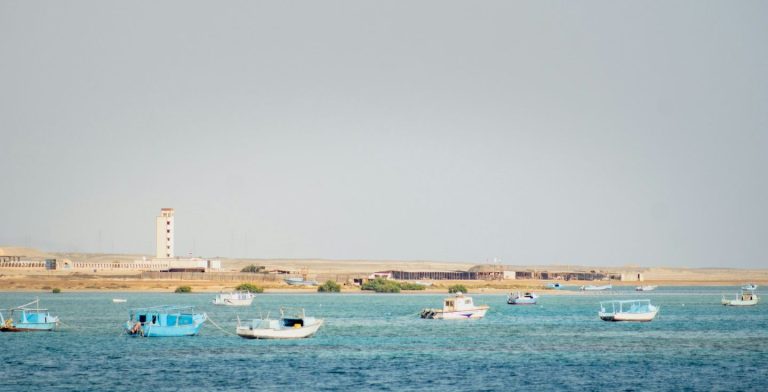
(632, 277)
(164, 227)
(165, 259)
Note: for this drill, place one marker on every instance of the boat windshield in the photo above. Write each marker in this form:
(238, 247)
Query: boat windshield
(291, 313)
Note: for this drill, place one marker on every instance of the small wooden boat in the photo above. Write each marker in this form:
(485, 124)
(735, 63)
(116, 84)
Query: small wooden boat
(646, 288)
(596, 288)
(119, 300)
(26, 318)
(293, 324)
(458, 307)
(749, 286)
(745, 298)
(554, 285)
(237, 298)
(630, 310)
(164, 321)
(518, 298)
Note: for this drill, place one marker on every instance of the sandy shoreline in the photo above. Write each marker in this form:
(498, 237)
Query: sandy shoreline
(341, 271)
(96, 283)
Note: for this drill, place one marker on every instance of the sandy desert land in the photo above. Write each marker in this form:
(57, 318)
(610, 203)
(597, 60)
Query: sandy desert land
(18, 279)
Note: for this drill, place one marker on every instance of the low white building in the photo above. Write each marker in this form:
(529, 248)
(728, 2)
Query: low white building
(194, 263)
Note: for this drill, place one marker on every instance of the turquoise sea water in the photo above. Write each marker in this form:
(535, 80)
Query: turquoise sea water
(377, 342)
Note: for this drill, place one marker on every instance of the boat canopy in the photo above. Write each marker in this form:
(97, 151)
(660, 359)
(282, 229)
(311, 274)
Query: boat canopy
(27, 307)
(627, 306)
(163, 309)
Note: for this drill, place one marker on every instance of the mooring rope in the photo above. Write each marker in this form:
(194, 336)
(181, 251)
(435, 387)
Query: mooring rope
(219, 327)
(68, 325)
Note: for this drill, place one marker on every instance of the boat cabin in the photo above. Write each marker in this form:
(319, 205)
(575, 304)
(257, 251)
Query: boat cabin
(28, 316)
(629, 306)
(747, 295)
(289, 318)
(459, 302)
(163, 316)
(35, 316)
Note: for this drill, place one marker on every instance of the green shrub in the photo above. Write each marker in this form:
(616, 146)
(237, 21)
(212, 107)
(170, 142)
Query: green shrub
(381, 285)
(56, 290)
(254, 268)
(251, 288)
(457, 288)
(183, 289)
(411, 286)
(329, 287)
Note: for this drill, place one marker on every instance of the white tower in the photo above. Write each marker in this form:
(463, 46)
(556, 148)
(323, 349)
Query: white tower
(165, 234)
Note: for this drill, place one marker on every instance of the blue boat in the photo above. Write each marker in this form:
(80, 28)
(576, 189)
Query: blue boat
(164, 321)
(528, 298)
(555, 285)
(26, 318)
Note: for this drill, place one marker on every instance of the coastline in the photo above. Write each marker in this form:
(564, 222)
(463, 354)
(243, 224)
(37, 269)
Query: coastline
(102, 283)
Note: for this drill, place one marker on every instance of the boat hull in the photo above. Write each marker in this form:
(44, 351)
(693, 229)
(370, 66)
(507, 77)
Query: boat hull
(38, 327)
(160, 331)
(300, 282)
(596, 288)
(738, 302)
(522, 301)
(233, 302)
(439, 314)
(639, 317)
(282, 333)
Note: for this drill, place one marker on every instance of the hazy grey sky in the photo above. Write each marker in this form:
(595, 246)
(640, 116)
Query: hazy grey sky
(604, 133)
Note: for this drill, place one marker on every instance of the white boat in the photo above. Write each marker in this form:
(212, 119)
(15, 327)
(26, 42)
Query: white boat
(630, 310)
(645, 288)
(745, 298)
(300, 282)
(596, 288)
(237, 298)
(522, 298)
(295, 325)
(119, 300)
(458, 307)
(749, 286)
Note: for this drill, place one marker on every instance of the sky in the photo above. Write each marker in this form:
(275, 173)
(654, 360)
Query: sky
(534, 132)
